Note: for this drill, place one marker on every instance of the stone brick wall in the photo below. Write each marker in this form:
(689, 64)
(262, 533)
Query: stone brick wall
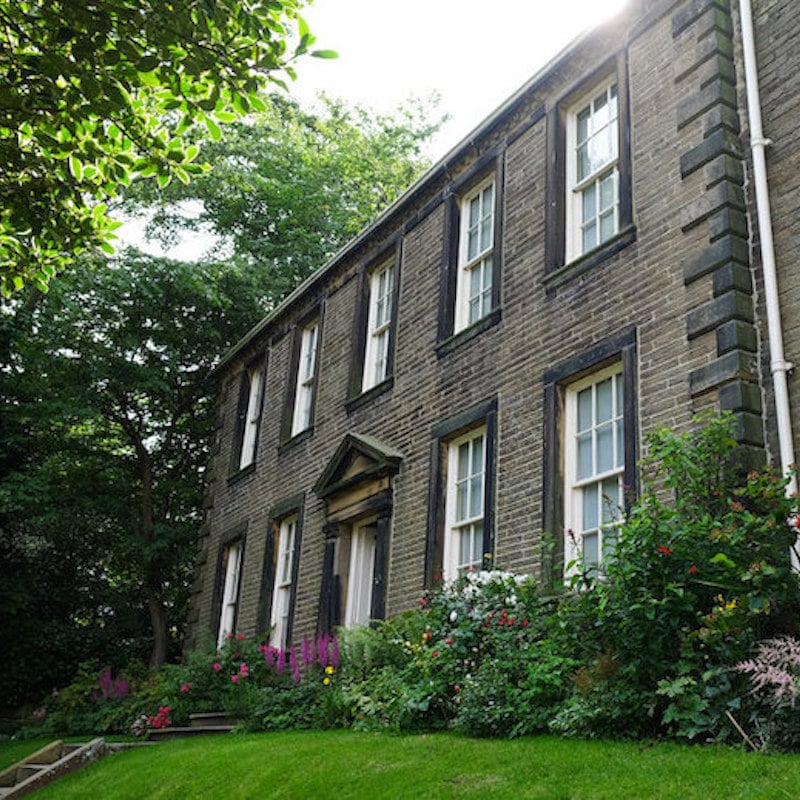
(684, 285)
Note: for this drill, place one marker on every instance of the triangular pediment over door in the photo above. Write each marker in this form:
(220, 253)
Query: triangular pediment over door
(356, 485)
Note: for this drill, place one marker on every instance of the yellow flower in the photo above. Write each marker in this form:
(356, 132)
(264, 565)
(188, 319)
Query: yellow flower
(326, 681)
(329, 670)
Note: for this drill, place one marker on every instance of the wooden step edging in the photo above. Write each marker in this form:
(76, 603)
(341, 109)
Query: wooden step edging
(45, 765)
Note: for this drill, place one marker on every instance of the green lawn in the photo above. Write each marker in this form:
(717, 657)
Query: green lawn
(343, 764)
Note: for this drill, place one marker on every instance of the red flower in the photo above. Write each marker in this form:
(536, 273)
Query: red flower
(525, 623)
(435, 654)
(797, 521)
(449, 640)
(664, 550)
(427, 636)
(693, 569)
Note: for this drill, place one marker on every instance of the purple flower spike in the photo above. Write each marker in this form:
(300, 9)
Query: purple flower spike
(335, 655)
(305, 653)
(312, 652)
(280, 663)
(294, 665)
(269, 656)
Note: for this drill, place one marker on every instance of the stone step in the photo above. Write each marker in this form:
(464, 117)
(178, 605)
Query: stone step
(163, 734)
(214, 718)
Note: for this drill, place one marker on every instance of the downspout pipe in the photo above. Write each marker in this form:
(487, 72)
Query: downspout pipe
(779, 366)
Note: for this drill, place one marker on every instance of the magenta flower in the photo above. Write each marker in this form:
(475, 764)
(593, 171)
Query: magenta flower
(234, 679)
(216, 666)
(280, 662)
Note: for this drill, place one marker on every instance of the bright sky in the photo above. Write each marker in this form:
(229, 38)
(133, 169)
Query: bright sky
(475, 53)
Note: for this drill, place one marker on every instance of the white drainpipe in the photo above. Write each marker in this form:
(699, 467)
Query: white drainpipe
(779, 366)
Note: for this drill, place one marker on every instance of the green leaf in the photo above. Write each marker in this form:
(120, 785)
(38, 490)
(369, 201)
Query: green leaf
(75, 168)
(324, 54)
(147, 63)
(213, 129)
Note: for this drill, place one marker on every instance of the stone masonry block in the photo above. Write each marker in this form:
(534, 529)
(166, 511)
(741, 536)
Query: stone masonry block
(728, 248)
(736, 335)
(693, 12)
(733, 305)
(720, 142)
(732, 276)
(718, 92)
(733, 366)
(726, 221)
(740, 396)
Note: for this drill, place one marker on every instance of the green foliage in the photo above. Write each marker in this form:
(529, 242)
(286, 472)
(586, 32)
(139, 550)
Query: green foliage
(288, 188)
(106, 404)
(96, 95)
(701, 571)
(107, 416)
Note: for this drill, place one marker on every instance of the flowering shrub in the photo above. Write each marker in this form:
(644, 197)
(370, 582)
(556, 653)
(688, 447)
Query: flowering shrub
(701, 571)
(475, 656)
(262, 687)
(774, 676)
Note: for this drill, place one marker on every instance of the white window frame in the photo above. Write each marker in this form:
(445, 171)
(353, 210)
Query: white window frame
(581, 490)
(282, 589)
(458, 525)
(578, 188)
(230, 593)
(379, 324)
(481, 261)
(360, 573)
(306, 374)
(255, 377)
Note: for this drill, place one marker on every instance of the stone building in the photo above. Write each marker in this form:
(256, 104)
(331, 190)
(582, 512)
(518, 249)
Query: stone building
(482, 363)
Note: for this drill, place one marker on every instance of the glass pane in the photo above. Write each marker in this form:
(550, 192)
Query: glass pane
(477, 542)
(585, 409)
(607, 193)
(620, 460)
(611, 501)
(472, 244)
(474, 211)
(462, 501)
(486, 233)
(477, 455)
(464, 547)
(604, 400)
(590, 551)
(474, 310)
(475, 280)
(488, 199)
(618, 391)
(583, 167)
(463, 461)
(476, 496)
(585, 455)
(583, 125)
(590, 498)
(605, 448)
(588, 203)
(607, 226)
(589, 237)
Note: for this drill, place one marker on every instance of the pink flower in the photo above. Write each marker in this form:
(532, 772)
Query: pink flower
(449, 640)
(216, 666)
(244, 670)
(241, 636)
(185, 687)
(234, 679)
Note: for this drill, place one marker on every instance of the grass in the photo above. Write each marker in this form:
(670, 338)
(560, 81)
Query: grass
(345, 764)
(11, 752)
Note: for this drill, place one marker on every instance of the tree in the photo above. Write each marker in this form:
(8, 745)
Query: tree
(106, 407)
(110, 414)
(288, 188)
(97, 93)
